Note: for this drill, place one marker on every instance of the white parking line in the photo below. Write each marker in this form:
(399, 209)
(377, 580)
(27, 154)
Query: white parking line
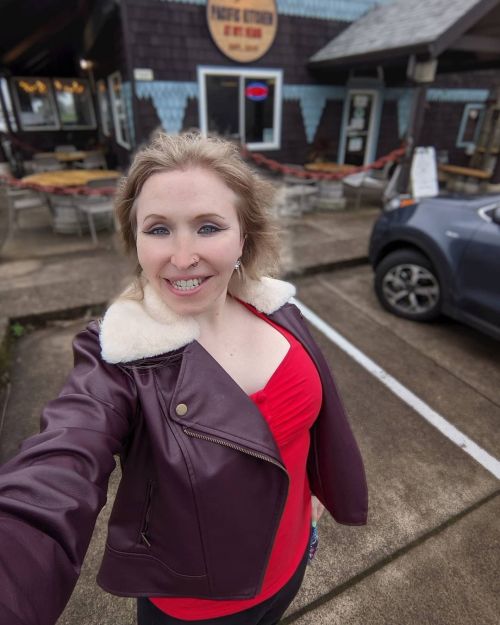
(485, 459)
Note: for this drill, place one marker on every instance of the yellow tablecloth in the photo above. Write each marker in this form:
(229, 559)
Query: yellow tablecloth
(66, 157)
(70, 177)
(330, 168)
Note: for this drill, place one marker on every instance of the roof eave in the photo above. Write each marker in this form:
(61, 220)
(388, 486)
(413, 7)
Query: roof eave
(374, 58)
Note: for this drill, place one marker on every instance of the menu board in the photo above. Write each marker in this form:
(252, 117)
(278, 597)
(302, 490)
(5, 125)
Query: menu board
(423, 173)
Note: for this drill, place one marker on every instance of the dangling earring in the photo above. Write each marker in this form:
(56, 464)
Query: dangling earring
(237, 265)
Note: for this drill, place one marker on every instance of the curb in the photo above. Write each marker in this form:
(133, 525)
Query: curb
(97, 308)
(324, 267)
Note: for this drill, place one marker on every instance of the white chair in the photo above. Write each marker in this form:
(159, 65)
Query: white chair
(22, 199)
(42, 163)
(371, 183)
(65, 148)
(98, 209)
(94, 160)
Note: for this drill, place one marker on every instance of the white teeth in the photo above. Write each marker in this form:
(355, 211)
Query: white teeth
(186, 285)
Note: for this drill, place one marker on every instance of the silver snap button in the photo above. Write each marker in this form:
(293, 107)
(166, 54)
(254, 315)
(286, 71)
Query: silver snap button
(181, 410)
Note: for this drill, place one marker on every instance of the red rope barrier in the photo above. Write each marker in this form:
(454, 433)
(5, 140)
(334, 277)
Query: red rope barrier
(258, 159)
(261, 160)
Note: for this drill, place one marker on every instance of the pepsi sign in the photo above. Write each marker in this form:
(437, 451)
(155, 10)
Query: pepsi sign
(257, 91)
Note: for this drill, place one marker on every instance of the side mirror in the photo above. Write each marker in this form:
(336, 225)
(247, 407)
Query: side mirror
(495, 216)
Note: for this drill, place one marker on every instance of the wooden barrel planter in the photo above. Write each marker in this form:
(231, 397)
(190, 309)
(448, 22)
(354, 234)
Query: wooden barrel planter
(67, 219)
(330, 195)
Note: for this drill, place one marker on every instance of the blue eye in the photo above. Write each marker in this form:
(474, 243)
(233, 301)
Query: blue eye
(208, 229)
(158, 231)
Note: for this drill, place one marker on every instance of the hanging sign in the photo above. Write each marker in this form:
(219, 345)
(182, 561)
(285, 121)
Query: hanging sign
(243, 30)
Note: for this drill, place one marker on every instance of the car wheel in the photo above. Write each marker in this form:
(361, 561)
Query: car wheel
(407, 285)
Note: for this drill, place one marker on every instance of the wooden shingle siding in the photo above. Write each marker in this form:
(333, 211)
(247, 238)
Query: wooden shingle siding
(440, 128)
(388, 139)
(173, 39)
(329, 128)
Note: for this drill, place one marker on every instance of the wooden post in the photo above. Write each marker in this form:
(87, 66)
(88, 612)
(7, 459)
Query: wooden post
(421, 74)
(412, 136)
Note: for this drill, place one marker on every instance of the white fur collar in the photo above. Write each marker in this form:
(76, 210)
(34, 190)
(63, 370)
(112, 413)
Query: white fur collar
(131, 329)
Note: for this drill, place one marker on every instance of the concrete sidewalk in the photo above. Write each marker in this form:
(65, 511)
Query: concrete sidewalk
(43, 274)
(50, 285)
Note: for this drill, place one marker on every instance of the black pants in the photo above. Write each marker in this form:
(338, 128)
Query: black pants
(268, 612)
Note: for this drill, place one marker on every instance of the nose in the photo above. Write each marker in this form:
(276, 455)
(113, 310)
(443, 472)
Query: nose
(183, 254)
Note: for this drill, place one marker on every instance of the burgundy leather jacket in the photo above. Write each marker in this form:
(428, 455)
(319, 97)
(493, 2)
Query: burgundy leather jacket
(203, 486)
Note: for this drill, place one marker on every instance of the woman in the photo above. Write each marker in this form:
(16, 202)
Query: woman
(206, 381)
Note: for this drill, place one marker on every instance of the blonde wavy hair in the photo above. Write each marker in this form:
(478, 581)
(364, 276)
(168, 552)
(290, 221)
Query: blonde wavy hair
(255, 195)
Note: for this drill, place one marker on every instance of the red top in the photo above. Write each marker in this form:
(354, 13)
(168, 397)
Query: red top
(290, 403)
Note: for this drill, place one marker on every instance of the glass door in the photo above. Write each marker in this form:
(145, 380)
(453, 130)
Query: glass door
(358, 127)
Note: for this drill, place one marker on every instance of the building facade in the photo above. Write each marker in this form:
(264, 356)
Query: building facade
(157, 63)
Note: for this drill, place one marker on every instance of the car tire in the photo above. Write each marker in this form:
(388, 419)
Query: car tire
(408, 286)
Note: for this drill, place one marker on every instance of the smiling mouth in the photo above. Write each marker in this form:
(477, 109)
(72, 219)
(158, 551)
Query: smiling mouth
(187, 285)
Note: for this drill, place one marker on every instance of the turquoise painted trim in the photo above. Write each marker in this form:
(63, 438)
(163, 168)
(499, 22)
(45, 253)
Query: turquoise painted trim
(457, 95)
(404, 99)
(442, 95)
(169, 99)
(312, 100)
(463, 122)
(127, 98)
(341, 10)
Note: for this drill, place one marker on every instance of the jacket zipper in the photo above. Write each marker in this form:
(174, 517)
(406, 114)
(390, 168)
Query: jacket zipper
(220, 441)
(145, 526)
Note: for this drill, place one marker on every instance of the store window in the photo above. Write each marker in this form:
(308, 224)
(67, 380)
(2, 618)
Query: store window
(242, 104)
(470, 125)
(74, 103)
(7, 102)
(122, 133)
(104, 112)
(35, 103)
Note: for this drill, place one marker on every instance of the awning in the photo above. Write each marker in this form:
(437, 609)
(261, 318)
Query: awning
(391, 32)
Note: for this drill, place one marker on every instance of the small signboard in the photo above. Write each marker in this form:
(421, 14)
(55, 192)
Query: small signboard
(243, 30)
(143, 73)
(423, 173)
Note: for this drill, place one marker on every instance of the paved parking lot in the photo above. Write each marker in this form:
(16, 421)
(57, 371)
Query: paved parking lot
(430, 551)
(429, 554)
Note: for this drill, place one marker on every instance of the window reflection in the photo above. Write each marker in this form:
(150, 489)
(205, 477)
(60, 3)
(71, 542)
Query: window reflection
(74, 103)
(35, 104)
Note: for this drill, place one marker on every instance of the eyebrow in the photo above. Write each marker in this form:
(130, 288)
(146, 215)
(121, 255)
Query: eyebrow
(197, 218)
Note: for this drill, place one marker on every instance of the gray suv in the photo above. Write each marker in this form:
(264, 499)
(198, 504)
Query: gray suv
(440, 255)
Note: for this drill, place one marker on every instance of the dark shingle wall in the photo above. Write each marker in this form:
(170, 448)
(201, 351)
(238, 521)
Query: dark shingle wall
(173, 38)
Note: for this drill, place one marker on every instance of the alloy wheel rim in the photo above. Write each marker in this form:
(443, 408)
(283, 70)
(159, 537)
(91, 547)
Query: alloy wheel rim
(410, 288)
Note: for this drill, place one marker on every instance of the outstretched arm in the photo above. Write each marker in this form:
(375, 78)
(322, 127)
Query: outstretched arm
(52, 491)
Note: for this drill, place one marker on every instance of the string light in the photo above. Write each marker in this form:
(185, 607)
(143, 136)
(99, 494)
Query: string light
(33, 87)
(73, 87)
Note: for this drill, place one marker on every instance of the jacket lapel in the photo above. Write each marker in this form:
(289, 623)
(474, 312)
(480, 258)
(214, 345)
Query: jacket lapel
(215, 406)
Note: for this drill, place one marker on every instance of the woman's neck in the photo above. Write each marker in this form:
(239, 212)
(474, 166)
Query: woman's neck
(214, 323)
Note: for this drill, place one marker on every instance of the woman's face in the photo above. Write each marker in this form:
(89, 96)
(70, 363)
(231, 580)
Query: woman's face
(184, 216)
